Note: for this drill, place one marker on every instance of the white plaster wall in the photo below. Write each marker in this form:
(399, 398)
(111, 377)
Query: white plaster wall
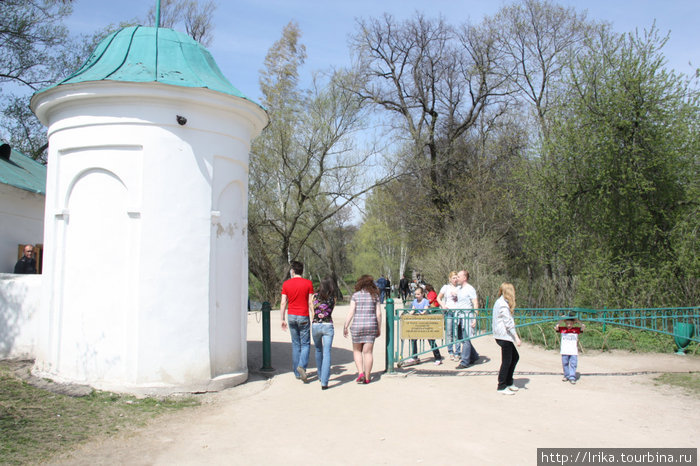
(133, 209)
(21, 222)
(230, 222)
(19, 305)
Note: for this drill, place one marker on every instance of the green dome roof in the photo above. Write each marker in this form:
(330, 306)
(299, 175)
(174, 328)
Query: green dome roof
(149, 54)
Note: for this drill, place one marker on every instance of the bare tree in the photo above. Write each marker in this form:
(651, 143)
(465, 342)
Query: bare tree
(195, 16)
(434, 79)
(198, 21)
(536, 38)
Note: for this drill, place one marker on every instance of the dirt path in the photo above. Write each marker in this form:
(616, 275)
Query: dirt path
(425, 415)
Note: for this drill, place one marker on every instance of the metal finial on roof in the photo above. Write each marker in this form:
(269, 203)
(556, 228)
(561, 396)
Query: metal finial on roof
(158, 13)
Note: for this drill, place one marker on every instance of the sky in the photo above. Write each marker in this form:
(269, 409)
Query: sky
(244, 30)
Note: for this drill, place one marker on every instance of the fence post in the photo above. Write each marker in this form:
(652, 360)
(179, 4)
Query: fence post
(266, 340)
(389, 337)
(605, 317)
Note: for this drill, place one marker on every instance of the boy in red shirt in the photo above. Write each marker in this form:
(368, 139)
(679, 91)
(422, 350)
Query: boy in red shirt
(297, 295)
(569, 346)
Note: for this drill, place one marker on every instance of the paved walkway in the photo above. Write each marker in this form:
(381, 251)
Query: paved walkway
(425, 415)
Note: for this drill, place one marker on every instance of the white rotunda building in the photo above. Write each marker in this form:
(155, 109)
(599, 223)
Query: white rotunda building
(146, 267)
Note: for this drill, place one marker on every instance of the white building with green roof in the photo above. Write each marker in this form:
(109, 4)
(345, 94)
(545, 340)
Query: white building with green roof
(145, 265)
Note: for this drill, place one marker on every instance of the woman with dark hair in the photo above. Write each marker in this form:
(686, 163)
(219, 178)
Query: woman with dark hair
(322, 329)
(364, 320)
(431, 295)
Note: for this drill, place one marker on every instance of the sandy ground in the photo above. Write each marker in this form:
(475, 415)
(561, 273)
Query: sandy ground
(425, 414)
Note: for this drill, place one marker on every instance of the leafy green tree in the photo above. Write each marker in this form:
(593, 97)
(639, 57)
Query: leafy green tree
(374, 249)
(32, 56)
(616, 185)
(31, 35)
(395, 209)
(23, 130)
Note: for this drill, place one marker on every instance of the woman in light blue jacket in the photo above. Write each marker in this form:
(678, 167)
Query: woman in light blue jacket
(507, 337)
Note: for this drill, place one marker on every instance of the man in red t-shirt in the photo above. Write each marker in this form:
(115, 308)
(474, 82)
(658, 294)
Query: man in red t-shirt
(297, 295)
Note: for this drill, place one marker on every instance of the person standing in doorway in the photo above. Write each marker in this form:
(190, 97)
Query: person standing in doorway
(468, 303)
(297, 296)
(26, 264)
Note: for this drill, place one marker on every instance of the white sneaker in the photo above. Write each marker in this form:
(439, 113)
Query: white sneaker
(505, 391)
(512, 388)
(564, 379)
(438, 362)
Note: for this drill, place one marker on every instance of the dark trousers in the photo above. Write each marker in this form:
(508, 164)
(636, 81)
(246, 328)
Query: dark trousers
(436, 352)
(509, 359)
(433, 346)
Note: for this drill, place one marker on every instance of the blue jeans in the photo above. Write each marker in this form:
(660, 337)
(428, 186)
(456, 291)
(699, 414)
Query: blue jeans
(452, 333)
(323, 340)
(301, 341)
(469, 354)
(569, 363)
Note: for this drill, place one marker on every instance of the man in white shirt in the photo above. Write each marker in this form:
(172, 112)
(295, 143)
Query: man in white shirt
(466, 299)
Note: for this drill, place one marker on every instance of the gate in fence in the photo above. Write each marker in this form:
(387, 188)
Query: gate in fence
(429, 331)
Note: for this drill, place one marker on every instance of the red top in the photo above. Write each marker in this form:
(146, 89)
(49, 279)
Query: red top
(432, 299)
(569, 330)
(298, 290)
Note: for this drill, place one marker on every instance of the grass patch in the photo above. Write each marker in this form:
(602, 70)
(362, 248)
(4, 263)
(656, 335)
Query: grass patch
(612, 338)
(690, 381)
(36, 424)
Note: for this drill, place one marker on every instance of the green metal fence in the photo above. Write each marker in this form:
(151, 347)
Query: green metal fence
(680, 323)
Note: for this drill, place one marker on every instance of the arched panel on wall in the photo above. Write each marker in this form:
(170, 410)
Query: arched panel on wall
(94, 288)
(229, 270)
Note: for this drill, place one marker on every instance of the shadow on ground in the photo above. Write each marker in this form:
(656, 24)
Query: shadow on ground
(342, 366)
